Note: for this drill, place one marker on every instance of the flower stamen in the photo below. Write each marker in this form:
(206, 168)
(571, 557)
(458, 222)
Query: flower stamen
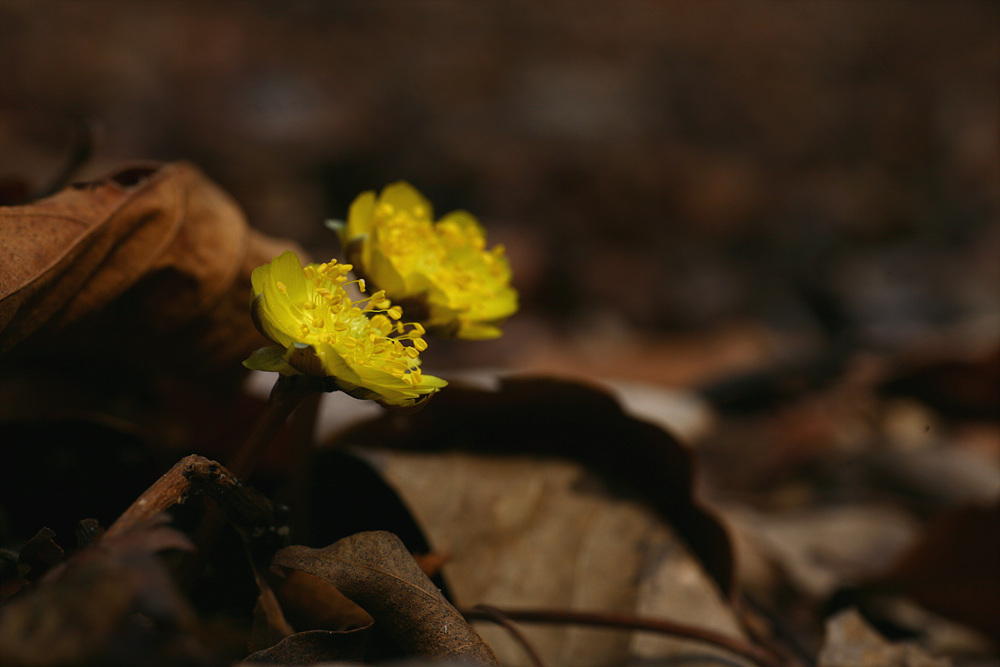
(361, 332)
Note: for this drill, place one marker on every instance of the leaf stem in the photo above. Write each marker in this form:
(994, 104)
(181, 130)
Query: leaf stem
(757, 654)
(501, 619)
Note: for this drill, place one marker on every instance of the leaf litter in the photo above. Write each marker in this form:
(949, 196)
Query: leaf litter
(540, 496)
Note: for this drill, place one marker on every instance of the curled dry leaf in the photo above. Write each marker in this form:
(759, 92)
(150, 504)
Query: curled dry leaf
(269, 623)
(311, 603)
(376, 571)
(158, 250)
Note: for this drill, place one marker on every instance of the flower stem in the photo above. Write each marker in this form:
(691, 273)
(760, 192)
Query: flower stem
(296, 485)
(288, 392)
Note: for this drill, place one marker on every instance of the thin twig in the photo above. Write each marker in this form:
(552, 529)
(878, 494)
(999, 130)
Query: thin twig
(781, 634)
(740, 647)
(501, 619)
(192, 476)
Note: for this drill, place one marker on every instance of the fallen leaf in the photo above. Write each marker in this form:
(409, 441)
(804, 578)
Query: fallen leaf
(952, 570)
(376, 571)
(310, 603)
(851, 642)
(961, 388)
(169, 249)
(528, 532)
(40, 554)
(313, 647)
(112, 603)
(269, 623)
(820, 549)
(549, 417)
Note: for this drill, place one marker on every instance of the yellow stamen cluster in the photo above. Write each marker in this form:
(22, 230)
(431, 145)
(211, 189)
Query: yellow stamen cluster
(442, 272)
(323, 325)
(450, 254)
(366, 332)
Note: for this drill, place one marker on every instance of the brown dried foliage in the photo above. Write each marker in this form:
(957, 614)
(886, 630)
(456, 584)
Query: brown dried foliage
(146, 255)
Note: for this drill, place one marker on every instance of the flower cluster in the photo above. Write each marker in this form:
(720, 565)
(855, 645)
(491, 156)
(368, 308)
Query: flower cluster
(440, 272)
(320, 330)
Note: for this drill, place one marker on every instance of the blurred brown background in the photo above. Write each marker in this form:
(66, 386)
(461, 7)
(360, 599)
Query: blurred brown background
(684, 188)
(791, 207)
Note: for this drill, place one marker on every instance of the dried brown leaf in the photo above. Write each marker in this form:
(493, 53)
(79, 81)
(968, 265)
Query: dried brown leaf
(112, 603)
(310, 603)
(952, 570)
(313, 647)
(527, 528)
(269, 623)
(850, 641)
(533, 533)
(376, 571)
(162, 243)
(40, 554)
(562, 418)
(431, 563)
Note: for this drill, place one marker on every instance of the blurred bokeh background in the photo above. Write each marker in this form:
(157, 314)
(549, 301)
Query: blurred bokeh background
(773, 226)
(684, 188)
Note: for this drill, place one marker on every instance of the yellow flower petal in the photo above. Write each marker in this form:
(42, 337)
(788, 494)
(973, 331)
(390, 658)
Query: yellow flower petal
(502, 306)
(336, 365)
(321, 331)
(287, 270)
(442, 273)
(359, 217)
(479, 331)
(282, 287)
(389, 278)
(403, 197)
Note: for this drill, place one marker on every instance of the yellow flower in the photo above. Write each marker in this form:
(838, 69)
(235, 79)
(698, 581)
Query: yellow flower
(440, 273)
(320, 330)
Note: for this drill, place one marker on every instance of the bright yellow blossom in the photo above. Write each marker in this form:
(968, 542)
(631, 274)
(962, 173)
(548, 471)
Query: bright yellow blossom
(441, 272)
(319, 330)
